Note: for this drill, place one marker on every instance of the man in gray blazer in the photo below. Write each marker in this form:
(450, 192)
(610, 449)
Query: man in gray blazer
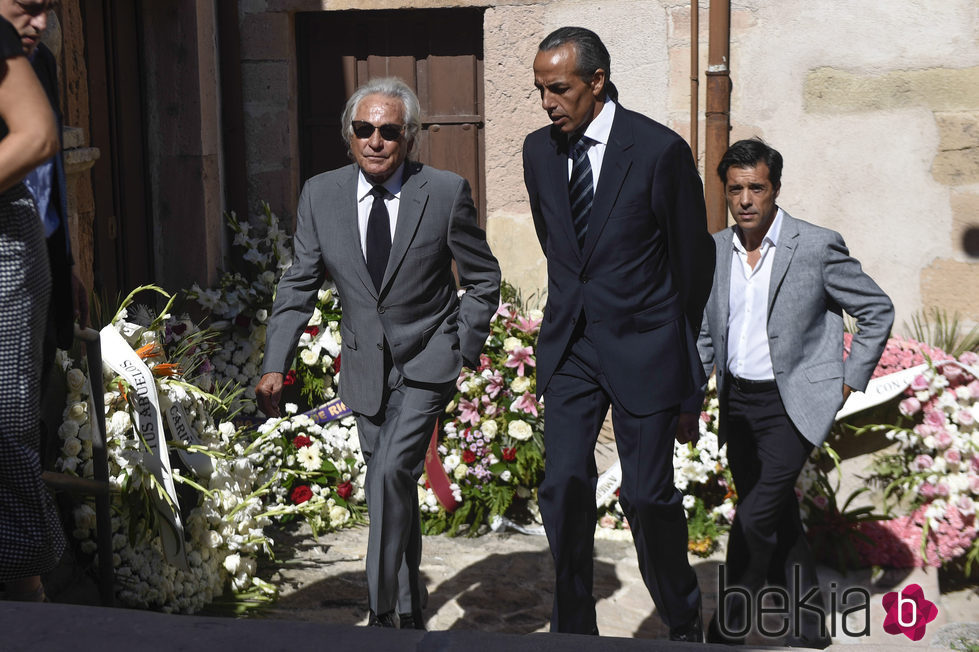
(387, 231)
(773, 331)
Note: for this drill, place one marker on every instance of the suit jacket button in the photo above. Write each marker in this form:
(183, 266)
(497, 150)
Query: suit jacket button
(583, 278)
(380, 310)
(380, 346)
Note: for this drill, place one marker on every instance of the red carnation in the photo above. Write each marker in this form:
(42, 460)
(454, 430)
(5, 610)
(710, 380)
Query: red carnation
(301, 494)
(509, 454)
(301, 441)
(468, 456)
(313, 330)
(336, 364)
(344, 489)
(290, 378)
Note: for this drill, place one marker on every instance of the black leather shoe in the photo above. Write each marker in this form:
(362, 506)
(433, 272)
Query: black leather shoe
(692, 632)
(411, 621)
(383, 620)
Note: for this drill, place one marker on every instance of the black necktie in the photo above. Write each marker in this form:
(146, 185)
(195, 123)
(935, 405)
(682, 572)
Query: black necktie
(581, 188)
(378, 237)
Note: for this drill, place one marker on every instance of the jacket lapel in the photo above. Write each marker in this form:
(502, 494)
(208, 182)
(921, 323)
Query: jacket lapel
(414, 197)
(556, 171)
(615, 167)
(349, 230)
(722, 288)
(784, 250)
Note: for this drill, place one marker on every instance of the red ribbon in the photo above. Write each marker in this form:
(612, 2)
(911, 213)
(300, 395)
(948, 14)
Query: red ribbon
(437, 479)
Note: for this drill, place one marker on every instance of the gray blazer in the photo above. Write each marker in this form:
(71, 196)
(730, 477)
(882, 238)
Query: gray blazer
(814, 279)
(430, 329)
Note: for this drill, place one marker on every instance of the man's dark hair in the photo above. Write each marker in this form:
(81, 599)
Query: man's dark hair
(747, 154)
(591, 52)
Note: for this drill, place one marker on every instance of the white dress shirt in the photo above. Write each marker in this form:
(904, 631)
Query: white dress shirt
(365, 200)
(597, 132)
(748, 355)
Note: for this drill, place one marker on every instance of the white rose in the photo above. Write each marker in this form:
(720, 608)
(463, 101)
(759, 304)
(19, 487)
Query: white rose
(520, 384)
(75, 379)
(505, 476)
(338, 516)
(77, 412)
(520, 430)
(72, 447)
(460, 472)
(261, 315)
(512, 344)
(68, 430)
(309, 357)
(536, 314)
(232, 562)
(489, 429)
(119, 424)
(316, 319)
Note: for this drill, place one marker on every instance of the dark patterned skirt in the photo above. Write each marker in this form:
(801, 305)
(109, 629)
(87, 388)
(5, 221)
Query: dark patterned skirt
(31, 538)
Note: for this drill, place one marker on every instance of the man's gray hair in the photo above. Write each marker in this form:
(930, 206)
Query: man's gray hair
(391, 87)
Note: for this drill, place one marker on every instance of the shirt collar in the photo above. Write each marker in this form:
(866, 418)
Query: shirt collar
(598, 129)
(392, 185)
(771, 237)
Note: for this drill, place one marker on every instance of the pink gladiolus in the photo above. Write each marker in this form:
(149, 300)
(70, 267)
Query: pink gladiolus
(494, 385)
(528, 325)
(468, 411)
(520, 357)
(526, 403)
(909, 406)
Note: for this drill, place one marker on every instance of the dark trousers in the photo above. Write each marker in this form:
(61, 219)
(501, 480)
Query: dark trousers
(577, 399)
(767, 544)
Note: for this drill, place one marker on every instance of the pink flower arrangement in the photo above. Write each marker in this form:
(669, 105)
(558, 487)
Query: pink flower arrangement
(898, 542)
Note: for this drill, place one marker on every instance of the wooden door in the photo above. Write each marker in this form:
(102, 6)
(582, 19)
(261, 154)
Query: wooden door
(438, 52)
(123, 246)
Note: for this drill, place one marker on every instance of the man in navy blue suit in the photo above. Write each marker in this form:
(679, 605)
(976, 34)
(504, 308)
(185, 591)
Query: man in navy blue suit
(619, 210)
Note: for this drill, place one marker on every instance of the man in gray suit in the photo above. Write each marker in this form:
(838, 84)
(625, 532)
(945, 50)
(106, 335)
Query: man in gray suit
(387, 231)
(773, 331)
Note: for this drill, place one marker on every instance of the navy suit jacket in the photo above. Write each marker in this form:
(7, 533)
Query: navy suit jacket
(643, 276)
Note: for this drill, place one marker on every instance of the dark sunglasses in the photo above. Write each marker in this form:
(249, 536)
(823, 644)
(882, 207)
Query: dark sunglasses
(366, 130)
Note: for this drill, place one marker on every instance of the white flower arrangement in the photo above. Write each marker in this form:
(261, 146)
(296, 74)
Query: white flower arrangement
(222, 500)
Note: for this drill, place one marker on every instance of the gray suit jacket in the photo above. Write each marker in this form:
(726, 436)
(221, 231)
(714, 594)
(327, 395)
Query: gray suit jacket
(814, 279)
(429, 329)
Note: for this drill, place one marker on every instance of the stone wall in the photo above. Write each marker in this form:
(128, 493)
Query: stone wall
(874, 106)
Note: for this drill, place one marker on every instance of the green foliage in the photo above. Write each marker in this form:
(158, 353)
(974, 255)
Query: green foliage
(937, 328)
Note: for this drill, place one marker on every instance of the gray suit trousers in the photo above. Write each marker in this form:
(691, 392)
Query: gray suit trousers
(394, 442)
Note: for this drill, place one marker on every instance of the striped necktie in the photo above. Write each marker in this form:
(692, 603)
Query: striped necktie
(581, 188)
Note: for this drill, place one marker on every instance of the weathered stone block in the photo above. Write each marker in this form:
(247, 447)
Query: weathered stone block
(952, 286)
(957, 161)
(266, 36)
(829, 90)
(265, 82)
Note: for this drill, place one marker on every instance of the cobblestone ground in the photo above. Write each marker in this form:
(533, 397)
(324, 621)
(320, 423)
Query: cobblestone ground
(501, 582)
